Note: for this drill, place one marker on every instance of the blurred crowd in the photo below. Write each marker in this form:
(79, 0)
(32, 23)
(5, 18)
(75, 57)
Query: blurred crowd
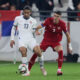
(19, 4)
(73, 10)
(43, 5)
(14, 4)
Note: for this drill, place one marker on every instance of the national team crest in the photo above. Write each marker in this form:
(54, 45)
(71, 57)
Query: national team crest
(30, 22)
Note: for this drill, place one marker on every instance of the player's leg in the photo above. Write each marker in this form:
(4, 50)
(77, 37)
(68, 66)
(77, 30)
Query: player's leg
(41, 62)
(34, 47)
(43, 47)
(23, 51)
(32, 61)
(37, 50)
(59, 49)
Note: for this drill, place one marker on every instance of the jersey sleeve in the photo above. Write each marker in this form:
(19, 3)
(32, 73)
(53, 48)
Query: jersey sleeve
(64, 27)
(34, 26)
(15, 22)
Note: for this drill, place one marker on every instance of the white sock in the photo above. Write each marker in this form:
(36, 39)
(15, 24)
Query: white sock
(41, 61)
(59, 69)
(24, 60)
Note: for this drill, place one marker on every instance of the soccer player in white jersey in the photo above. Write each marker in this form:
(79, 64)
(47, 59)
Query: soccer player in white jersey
(26, 26)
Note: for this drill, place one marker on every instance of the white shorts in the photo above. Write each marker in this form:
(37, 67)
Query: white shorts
(30, 43)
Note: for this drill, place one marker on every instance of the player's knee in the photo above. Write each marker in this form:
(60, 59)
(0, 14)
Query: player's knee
(37, 50)
(59, 48)
(23, 51)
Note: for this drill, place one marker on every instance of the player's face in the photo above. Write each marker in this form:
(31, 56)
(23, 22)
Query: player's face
(26, 13)
(56, 17)
(78, 6)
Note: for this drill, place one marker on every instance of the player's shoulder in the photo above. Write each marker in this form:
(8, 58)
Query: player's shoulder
(33, 19)
(49, 18)
(18, 17)
(62, 21)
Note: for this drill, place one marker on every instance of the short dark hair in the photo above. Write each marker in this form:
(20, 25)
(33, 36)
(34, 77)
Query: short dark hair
(27, 7)
(58, 12)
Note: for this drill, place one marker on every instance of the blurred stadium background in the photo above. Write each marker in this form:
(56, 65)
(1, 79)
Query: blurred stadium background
(6, 21)
(70, 13)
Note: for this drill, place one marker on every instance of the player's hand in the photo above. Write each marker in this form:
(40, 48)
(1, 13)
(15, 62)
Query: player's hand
(38, 33)
(12, 43)
(69, 48)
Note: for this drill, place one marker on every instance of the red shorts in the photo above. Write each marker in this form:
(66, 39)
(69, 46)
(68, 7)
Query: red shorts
(45, 44)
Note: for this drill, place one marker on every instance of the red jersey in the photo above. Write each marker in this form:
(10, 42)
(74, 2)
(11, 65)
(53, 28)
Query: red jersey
(53, 32)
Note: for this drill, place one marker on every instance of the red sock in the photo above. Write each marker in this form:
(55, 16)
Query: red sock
(32, 61)
(60, 59)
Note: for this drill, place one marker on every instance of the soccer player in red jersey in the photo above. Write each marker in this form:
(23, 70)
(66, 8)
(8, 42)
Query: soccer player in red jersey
(54, 27)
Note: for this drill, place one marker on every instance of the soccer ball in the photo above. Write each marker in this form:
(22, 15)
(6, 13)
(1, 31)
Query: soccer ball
(22, 68)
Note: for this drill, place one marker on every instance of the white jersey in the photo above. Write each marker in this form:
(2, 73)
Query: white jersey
(25, 27)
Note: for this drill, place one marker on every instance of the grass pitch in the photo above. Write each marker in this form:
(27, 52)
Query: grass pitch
(71, 71)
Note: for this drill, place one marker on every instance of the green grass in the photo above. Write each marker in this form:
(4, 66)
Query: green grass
(71, 72)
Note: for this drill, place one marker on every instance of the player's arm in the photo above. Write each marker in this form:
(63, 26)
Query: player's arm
(13, 33)
(68, 37)
(44, 24)
(69, 41)
(12, 36)
(37, 30)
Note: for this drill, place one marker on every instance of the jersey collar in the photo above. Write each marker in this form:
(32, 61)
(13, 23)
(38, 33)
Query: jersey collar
(26, 18)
